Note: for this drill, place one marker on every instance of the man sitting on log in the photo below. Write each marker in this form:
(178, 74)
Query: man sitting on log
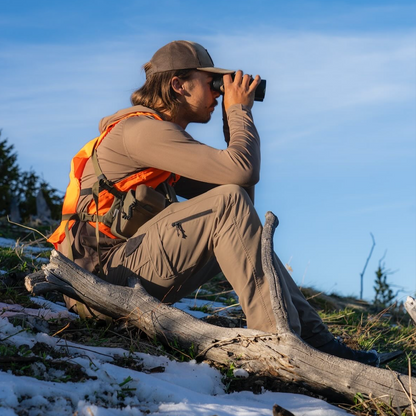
(115, 224)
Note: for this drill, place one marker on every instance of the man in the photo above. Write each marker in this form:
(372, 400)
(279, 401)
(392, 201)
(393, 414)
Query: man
(217, 227)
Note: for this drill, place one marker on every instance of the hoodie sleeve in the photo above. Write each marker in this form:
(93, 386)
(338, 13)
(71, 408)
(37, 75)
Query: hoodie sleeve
(165, 145)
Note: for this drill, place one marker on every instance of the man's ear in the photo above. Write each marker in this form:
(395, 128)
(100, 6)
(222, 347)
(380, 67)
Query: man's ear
(177, 85)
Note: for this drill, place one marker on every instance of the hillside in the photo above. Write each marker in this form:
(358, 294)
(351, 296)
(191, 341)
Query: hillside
(357, 322)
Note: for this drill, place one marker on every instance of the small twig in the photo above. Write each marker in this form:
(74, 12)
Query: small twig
(90, 411)
(25, 226)
(211, 295)
(315, 295)
(196, 294)
(61, 330)
(373, 401)
(12, 335)
(408, 395)
(82, 348)
(225, 307)
(304, 273)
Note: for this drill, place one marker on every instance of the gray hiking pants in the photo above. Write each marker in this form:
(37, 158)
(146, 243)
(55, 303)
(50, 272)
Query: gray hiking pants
(189, 242)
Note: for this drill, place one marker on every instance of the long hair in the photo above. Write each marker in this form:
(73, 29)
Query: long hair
(157, 93)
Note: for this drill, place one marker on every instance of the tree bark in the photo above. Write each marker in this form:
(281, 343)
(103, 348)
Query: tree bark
(282, 355)
(410, 306)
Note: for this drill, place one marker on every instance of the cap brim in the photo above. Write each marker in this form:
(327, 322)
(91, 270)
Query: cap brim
(216, 70)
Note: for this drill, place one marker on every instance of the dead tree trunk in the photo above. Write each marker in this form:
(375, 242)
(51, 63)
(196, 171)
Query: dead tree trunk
(283, 355)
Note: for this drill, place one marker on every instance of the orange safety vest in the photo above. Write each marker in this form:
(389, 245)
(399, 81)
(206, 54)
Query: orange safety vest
(151, 177)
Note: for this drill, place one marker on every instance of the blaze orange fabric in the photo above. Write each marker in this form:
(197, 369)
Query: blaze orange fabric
(150, 177)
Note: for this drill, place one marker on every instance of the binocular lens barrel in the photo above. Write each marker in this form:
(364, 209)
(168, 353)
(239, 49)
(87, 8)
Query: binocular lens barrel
(217, 85)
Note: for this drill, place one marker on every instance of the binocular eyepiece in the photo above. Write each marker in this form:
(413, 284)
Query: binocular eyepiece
(218, 83)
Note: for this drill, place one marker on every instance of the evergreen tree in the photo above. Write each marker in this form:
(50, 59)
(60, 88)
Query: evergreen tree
(24, 186)
(53, 199)
(384, 294)
(9, 175)
(28, 189)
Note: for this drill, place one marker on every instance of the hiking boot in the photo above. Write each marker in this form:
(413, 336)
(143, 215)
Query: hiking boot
(339, 349)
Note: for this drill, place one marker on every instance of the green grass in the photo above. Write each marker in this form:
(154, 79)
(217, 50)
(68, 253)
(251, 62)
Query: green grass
(207, 308)
(12, 261)
(384, 332)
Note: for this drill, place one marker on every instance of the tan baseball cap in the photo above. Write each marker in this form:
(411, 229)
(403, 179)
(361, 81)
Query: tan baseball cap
(182, 54)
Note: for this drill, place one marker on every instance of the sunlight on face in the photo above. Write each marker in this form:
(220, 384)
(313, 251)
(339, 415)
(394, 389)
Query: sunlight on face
(200, 99)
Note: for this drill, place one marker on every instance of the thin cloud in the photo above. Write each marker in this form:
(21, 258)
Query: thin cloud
(315, 81)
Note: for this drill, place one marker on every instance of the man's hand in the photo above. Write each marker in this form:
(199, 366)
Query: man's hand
(239, 91)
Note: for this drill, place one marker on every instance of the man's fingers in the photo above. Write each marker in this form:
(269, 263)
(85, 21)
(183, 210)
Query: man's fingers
(239, 89)
(246, 81)
(227, 79)
(238, 77)
(243, 80)
(255, 83)
(249, 83)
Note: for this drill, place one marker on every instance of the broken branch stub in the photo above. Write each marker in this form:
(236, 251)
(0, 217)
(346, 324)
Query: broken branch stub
(410, 306)
(273, 277)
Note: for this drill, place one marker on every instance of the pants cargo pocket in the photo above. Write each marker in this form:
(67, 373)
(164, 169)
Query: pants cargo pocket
(157, 255)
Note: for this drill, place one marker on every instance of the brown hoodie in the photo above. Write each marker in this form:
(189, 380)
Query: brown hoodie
(142, 142)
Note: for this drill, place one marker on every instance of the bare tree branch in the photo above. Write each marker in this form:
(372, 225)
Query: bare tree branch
(365, 265)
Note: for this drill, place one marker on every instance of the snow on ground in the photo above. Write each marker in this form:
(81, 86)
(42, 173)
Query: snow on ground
(29, 251)
(182, 389)
(46, 313)
(195, 307)
(8, 242)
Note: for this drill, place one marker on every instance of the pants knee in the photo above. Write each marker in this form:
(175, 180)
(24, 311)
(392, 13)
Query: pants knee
(234, 201)
(235, 192)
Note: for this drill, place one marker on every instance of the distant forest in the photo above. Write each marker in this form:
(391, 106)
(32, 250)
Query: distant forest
(19, 189)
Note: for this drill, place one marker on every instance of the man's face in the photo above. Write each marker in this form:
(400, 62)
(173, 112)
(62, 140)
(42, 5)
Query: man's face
(200, 99)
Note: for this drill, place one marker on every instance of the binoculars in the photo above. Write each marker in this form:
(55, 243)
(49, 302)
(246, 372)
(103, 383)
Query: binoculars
(218, 83)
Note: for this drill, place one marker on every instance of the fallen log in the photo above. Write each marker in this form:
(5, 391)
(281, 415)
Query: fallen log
(282, 355)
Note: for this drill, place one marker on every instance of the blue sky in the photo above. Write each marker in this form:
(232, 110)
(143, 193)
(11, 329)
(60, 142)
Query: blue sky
(337, 126)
